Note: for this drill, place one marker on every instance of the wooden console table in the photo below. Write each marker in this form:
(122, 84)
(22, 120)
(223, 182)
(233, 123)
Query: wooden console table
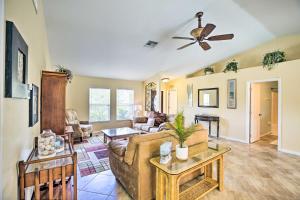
(209, 119)
(36, 172)
(168, 176)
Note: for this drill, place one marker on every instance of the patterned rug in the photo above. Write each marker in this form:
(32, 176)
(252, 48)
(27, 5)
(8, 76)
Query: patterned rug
(92, 155)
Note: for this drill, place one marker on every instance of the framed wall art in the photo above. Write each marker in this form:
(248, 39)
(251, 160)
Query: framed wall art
(34, 105)
(231, 94)
(16, 63)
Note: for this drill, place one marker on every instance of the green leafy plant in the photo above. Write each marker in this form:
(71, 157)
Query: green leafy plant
(60, 68)
(180, 132)
(270, 59)
(209, 70)
(231, 66)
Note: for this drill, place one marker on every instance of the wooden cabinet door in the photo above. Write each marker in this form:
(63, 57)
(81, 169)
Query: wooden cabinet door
(53, 99)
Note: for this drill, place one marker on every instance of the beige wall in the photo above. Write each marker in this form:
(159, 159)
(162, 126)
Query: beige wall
(78, 97)
(253, 57)
(18, 137)
(233, 121)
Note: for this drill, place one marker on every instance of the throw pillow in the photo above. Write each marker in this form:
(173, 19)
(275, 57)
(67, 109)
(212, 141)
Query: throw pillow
(150, 122)
(160, 118)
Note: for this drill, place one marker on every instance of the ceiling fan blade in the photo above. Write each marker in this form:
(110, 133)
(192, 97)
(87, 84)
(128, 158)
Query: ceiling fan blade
(184, 46)
(204, 45)
(207, 30)
(185, 38)
(221, 37)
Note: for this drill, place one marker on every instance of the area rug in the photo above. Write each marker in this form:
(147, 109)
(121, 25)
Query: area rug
(92, 155)
(93, 167)
(101, 154)
(93, 148)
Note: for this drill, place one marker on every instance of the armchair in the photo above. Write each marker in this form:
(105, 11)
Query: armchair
(81, 128)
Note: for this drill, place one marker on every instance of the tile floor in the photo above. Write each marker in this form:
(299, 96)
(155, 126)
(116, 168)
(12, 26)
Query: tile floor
(252, 172)
(101, 186)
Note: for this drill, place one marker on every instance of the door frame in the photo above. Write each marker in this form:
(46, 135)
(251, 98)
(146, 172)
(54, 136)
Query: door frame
(2, 72)
(248, 108)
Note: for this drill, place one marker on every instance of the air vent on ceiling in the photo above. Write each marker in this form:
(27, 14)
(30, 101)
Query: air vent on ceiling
(151, 44)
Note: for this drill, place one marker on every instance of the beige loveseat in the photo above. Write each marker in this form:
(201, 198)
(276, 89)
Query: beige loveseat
(129, 161)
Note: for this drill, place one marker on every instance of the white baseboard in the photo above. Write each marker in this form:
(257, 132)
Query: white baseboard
(297, 153)
(234, 139)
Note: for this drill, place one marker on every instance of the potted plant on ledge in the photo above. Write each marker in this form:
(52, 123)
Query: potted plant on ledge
(62, 69)
(232, 66)
(270, 59)
(208, 70)
(181, 133)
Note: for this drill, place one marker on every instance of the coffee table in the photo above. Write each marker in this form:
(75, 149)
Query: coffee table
(119, 133)
(168, 175)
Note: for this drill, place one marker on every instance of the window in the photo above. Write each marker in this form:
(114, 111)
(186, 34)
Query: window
(99, 104)
(125, 104)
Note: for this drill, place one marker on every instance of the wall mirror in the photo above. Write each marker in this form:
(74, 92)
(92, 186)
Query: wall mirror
(150, 96)
(208, 97)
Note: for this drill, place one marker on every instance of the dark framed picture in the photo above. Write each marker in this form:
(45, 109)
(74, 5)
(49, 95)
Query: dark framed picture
(231, 94)
(34, 105)
(16, 63)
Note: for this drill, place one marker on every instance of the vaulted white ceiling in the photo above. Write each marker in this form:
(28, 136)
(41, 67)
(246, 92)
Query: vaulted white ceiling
(106, 38)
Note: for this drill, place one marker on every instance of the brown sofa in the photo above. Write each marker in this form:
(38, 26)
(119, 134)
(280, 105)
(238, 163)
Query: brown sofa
(130, 164)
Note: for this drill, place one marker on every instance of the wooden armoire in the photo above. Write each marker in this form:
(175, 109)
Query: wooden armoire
(53, 101)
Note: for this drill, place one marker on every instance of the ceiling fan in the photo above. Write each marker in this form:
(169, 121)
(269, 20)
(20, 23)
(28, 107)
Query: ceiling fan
(200, 35)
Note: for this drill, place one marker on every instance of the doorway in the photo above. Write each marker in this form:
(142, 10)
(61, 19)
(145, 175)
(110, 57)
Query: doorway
(264, 111)
(172, 102)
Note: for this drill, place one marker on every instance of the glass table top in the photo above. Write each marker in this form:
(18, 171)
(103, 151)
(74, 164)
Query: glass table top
(176, 166)
(114, 132)
(37, 163)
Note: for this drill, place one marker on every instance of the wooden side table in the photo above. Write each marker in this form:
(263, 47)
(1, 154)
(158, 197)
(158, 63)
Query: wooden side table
(168, 176)
(36, 172)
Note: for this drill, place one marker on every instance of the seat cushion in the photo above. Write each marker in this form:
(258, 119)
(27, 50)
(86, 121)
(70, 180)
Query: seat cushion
(153, 129)
(86, 127)
(118, 147)
(139, 125)
(146, 128)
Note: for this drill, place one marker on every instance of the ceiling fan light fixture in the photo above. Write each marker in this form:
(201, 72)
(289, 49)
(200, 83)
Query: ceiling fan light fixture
(165, 80)
(196, 32)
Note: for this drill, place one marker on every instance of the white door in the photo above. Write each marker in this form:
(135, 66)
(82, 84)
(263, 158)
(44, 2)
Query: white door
(255, 114)
(172, 102)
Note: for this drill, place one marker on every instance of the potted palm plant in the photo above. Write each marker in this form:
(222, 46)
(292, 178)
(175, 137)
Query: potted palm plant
(181, 133)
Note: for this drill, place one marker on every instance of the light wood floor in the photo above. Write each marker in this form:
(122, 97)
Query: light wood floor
(259, 171)
(255, 171)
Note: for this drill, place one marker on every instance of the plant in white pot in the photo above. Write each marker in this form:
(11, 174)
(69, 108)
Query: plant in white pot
(182, 134)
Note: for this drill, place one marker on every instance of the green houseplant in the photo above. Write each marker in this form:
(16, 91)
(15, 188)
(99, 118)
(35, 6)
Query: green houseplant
(270, 59)
(60, 68)
(231, 66)
(181, 133)
(208, 70)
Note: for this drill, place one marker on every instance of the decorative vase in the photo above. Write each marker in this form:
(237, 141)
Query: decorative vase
(182, 153)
